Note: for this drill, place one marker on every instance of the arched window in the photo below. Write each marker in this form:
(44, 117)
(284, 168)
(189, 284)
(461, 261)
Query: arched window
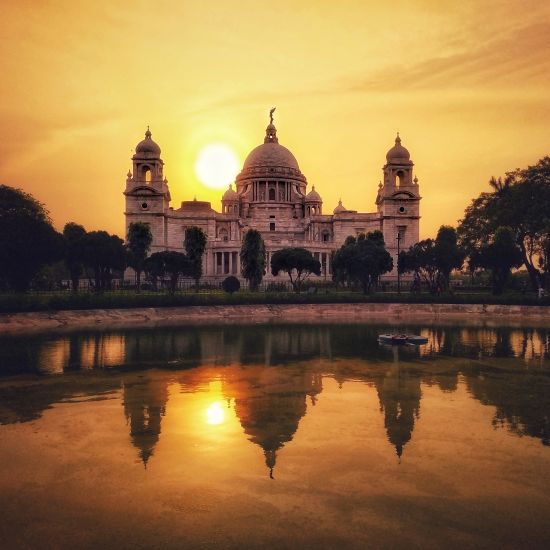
(223, 235)
(400, 178)
(272, 194)
(325, 236)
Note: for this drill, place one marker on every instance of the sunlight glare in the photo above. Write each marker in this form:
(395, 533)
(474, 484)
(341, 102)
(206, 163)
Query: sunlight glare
(217, 165)
(215, 414)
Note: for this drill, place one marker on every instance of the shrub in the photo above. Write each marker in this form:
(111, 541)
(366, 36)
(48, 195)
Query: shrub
(231, 284)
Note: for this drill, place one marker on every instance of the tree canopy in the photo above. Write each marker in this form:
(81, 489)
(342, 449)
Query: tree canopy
(297, 263)
(139, 243)
(433, 260)
(28, 240)
(362, 260)
(521, 202)
(195, 243)
(104, 254)
(75, 252)
(500, 256)
(253, 258)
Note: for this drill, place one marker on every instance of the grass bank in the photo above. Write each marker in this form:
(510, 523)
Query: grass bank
(14, 303)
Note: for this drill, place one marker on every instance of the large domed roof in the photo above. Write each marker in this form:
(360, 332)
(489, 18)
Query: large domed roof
(271, 154)
(147, 146)
(270, 157)
(398, 154)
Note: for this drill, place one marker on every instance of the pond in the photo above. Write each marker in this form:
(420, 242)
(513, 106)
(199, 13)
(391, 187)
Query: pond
(276, 436)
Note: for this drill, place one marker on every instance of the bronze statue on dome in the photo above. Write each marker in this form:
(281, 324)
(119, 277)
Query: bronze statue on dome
(271, 115)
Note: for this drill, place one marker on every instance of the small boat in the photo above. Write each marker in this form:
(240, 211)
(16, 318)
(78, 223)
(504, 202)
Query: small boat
(396, 339)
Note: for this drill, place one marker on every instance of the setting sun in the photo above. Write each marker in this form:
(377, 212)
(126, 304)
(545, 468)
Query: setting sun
(217, 165)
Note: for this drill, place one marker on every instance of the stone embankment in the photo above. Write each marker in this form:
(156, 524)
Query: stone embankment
(287, 313)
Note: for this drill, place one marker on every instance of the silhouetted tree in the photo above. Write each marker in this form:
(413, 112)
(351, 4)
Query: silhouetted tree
(75, 239)
(433, 260)
(363, 260)
(195, 243)
(231, 284)
(154, 268)
(500, 256)
(520, 202)
(28, 240)
(447, 254)
(297, 263)
(104, 254)
(139, 244)
(253, 258)
(173, 264)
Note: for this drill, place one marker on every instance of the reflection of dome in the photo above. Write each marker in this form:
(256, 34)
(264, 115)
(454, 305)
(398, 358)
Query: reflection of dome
(230, 194)
(313, 196)
(340, 208)
(147, 146)
(398, 154)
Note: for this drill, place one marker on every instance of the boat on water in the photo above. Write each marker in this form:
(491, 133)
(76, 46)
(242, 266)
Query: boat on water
(396, 339)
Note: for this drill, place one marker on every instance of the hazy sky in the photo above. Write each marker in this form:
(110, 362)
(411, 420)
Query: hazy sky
(466, 84)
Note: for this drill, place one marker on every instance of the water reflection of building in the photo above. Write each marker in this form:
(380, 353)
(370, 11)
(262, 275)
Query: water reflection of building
(399, 394)
(144, 407)
(270, 404)
(283, 368)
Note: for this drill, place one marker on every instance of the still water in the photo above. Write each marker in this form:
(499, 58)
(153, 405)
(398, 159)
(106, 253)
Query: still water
(275, 436)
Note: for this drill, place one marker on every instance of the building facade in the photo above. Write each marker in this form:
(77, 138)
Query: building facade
(271, 195)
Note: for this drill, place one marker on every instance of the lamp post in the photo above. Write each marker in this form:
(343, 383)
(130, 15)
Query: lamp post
(398, 273)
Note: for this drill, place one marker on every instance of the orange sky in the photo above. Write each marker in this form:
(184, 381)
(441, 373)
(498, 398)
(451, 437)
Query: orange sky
(466, 84)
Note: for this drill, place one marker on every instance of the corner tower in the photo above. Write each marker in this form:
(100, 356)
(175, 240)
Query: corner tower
(147, 194)
(398, 201)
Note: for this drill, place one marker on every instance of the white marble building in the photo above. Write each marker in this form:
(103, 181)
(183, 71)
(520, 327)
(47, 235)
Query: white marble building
(271, 196)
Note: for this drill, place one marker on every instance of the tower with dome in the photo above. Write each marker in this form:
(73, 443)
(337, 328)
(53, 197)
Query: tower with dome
(270, 195)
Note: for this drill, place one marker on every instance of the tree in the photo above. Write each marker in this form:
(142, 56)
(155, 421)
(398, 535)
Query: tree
(28, 240)
(75, 239)
(520, 202)
(253, 258)
(447, 254)
(231, 284)
(139, 244)
(298, 263)
(154, 268)
(500, 257)
(362, 260)
(177, 265)
(433, 260)
(195, 243)
(104, 254)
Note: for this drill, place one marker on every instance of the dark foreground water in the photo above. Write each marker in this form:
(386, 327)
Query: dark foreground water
(276, 437)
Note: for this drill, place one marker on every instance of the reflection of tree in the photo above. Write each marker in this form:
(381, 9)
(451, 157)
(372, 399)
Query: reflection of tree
(522, 402)
(144, 407)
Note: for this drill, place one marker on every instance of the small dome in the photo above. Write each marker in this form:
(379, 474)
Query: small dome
(398, 154)
(340, 208)
(313, 196)
(147, 146)
(230, 194)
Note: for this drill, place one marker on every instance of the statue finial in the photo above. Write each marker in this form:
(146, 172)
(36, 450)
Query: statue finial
(271, 115)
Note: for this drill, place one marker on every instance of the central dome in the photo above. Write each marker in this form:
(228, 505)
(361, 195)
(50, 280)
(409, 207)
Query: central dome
(271, 155)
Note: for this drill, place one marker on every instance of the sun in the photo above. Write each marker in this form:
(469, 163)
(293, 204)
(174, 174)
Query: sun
(217, 165)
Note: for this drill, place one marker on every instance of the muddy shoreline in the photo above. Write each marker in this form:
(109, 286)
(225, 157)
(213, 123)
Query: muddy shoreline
(266, 313)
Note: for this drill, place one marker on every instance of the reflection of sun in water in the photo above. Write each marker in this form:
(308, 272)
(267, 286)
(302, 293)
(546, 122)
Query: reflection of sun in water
(217, 165)
(215, 414)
